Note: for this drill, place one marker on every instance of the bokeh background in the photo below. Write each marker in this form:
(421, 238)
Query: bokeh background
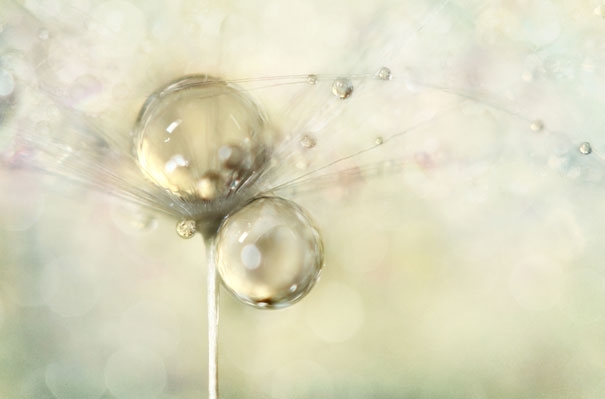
(473, 271)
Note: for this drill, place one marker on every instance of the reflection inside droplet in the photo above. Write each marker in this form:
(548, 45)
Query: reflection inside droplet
(7, 83)
(186, 228)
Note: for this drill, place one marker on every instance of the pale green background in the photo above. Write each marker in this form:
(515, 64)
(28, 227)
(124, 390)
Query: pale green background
(475, 272)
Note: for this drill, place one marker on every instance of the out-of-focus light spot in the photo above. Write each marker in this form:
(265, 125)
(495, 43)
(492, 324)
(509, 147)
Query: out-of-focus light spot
(133, 220)
(306, 378)
(7, 83)
(21, 202)
(152, 325)
(72, 380)
(35, 286)
(33, 385)
(77, 286)
(335, 312)
(584, 296)
(537, 283)
(135, 374)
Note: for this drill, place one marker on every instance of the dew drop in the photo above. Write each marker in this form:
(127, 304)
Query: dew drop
(308, 141)
(384, 73)
(599, 11)
(342, 88)
(269, 254)
(193, 133)
(379, 140)
(585, 148)
(312, 79)
(537, 126)
(186, 228)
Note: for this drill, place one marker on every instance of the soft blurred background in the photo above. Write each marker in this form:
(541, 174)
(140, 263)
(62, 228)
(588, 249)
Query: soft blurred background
(476, 271)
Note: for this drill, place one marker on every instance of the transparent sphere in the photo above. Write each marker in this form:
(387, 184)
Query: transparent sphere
(269, 253)
(200, 138)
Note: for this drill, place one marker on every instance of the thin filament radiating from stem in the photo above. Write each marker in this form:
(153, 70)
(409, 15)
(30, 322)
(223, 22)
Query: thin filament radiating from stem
(212, 287)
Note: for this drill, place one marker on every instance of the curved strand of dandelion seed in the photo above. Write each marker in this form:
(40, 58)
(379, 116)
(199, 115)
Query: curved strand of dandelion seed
(212, 293)
(309, 175)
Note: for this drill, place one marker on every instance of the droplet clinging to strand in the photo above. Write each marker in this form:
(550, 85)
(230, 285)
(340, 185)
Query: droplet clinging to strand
(342, 88)
(585, 148)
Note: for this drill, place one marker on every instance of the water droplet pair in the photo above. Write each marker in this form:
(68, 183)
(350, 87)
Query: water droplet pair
(206, 143)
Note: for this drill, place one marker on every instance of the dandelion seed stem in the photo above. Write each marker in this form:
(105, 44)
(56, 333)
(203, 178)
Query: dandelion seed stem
(213, 316)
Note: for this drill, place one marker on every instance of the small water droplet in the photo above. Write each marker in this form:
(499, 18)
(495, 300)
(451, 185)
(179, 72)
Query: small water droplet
(43, 34)
(308, 141)
(537, 125)
(186, 228)
(312, 79)
(600, 11)
(585, 148)
(342, 88)
(379, 140)
(384, 73)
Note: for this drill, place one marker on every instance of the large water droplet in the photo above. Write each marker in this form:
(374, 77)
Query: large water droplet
(198, 135)
(269, 254)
